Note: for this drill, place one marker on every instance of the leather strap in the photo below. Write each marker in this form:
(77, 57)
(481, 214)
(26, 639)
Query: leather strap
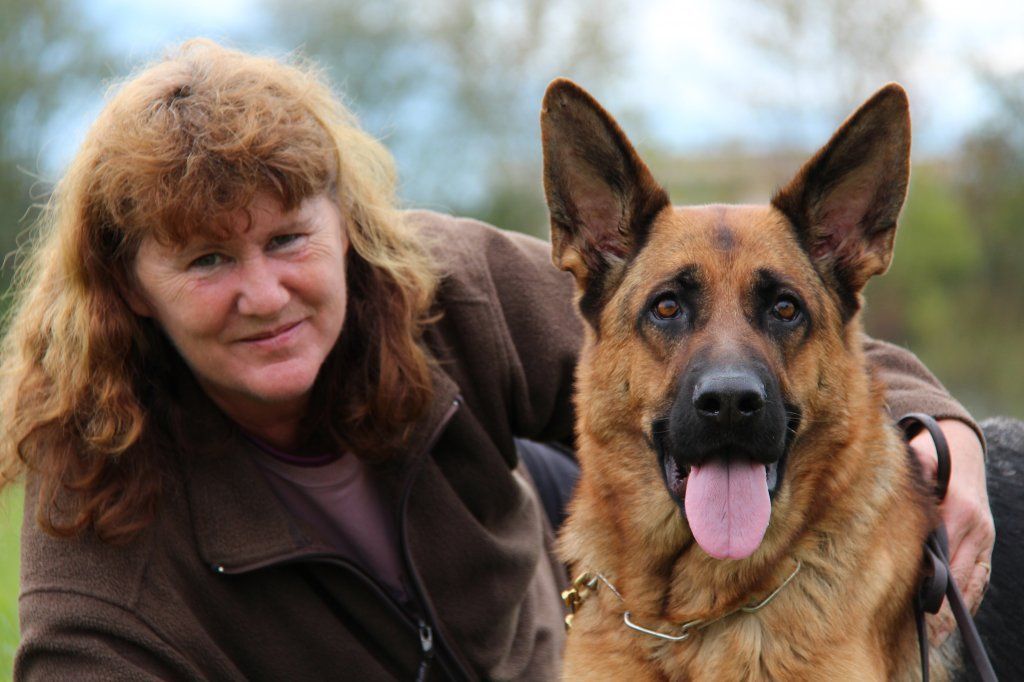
(911, 424)
(938, 580)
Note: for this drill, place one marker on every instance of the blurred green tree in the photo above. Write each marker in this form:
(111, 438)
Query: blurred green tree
(454, 87)
(992, 180)
(990, 184)
(830, 54)
(49, 58)
(954, 293)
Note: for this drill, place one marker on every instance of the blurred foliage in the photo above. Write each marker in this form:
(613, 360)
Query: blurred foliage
(955, 294)
(10, 545)
(836, 49)
(48, 58)
(454, 87)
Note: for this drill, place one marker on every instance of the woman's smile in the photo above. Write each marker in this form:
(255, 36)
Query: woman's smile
(275, 338)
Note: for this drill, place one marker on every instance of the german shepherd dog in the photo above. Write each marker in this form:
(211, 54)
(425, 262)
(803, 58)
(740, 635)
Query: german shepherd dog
(734, 449)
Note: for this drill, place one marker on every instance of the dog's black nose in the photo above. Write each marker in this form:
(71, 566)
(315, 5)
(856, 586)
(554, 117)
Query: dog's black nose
(729, 399)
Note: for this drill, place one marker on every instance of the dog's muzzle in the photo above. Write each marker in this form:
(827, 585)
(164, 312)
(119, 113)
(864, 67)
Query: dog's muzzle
(721, 451)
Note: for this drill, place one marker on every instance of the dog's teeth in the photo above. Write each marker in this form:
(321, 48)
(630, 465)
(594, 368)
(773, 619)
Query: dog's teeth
(772, 475)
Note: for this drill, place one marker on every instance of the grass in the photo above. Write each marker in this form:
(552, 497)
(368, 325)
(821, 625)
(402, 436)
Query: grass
(10, 531)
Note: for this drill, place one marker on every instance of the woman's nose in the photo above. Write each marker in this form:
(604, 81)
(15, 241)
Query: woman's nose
(262, 292)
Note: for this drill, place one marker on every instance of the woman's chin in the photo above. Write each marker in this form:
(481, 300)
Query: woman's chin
(274, 394)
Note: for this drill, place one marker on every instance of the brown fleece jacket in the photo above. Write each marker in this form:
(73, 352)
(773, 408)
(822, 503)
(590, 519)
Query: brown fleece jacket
(227, 585)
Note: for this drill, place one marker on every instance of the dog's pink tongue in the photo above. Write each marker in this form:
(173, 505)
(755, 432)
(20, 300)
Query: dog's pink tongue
(727, 507)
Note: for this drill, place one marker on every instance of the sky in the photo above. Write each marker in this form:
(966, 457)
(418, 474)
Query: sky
(693, 46)
(690, 76)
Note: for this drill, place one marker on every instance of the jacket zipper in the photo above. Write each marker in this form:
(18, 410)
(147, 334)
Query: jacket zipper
(423, 630)
(416, 582)
(427, 650)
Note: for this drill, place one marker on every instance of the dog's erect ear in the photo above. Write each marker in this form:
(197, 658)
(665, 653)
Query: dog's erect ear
(845, 201)
(601, 196)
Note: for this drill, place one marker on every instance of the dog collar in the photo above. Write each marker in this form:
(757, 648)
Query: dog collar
(587, 583)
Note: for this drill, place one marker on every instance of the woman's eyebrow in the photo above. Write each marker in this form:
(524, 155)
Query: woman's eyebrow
(201, 244)
(294, 224)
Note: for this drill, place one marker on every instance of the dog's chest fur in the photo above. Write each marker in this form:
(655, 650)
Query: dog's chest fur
(842, 609)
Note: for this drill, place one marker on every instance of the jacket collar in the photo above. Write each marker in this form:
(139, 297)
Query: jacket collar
(239, 523)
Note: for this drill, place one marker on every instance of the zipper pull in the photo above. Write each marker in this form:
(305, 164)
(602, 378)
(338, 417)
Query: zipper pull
(426, 639)
(427, 648)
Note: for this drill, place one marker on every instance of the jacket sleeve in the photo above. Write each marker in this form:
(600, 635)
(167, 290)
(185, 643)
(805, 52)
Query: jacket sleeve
(542, 334)
(69, 636)
(910, 387)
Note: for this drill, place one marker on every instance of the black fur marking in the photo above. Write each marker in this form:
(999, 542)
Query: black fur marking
(725, 240)
(687, 287)
(837, 280)
(601, 283)
(846, 298)
(645, 213)
(767, 286)
(849, 300)
(593, 300)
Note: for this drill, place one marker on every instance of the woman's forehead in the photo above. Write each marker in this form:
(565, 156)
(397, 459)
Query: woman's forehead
(223, 225)
(265, 212)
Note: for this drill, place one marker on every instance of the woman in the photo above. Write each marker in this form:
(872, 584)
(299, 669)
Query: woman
(267, 420)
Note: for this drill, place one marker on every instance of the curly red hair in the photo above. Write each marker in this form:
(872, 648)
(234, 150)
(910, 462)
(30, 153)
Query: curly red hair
(178, 148)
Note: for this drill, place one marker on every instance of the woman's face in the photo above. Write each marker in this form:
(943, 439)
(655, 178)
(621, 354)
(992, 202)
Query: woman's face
(256, 314)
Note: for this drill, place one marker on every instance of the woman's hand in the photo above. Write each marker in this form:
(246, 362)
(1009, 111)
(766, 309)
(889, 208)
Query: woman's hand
(965, 513)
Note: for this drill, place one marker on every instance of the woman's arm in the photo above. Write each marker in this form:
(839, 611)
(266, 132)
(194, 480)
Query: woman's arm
(910, 387)
(70, 636)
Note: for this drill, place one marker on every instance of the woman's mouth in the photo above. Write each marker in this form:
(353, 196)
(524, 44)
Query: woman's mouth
(272, 336)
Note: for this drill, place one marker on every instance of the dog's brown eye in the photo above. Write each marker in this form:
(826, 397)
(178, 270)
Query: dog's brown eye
(785, 309)
(667, 308)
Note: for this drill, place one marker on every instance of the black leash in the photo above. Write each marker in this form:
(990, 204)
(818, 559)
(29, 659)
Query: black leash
(938, 580)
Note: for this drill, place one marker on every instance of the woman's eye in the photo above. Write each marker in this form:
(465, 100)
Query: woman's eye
(207, 260)
(282, 241)
(786, 309)
(667, 308)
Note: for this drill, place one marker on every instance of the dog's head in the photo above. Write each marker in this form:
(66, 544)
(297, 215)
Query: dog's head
(717, 333)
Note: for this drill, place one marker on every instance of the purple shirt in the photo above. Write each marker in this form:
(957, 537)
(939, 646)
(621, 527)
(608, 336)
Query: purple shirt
(339, 500)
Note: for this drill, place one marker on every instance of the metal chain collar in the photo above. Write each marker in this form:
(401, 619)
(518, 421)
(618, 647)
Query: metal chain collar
(587, 583)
